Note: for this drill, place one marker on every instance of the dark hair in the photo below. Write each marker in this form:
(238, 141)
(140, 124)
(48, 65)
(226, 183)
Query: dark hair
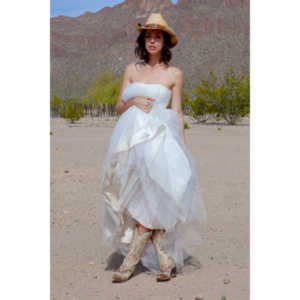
(143, 54)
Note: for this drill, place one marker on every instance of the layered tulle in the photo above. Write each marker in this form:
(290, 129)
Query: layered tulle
(149, 176)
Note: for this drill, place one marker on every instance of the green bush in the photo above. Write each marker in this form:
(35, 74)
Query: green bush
(199, 109)
(102, 94)
(233, 101)
(104, 88)
(71, 111)
(227, 98)
(55, 104)
(186, 125)
(202, 103)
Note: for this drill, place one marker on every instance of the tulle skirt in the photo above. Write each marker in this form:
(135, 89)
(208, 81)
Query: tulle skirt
(149, 177)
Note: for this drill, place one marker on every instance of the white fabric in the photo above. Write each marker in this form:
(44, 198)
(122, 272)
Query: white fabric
(149, 176)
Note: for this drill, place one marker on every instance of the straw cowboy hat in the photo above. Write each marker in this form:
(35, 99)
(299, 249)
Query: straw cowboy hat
(156, 21)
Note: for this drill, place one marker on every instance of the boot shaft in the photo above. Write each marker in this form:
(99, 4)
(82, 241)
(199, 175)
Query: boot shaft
(157, 239)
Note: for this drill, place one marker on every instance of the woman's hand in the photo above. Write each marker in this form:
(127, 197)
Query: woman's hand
(144, 103)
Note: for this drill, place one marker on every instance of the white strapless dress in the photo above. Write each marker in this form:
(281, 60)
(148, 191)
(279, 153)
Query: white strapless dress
(149, 176)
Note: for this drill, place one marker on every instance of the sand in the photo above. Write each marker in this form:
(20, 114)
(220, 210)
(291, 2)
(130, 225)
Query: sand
(222, 265)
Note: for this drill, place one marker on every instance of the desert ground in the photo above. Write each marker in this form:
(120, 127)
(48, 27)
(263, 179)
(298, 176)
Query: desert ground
(221, 269)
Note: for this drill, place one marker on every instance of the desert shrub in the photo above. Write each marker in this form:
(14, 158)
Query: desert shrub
(102, 95)
(233, 101)
(200, 109)
(186, 125)
(71, 110)
(224, 98)
(55, 104)
(202, 103)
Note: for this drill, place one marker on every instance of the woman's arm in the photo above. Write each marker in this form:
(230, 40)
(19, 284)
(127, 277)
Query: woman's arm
(176, 104)
(125, 105)
(121, 105)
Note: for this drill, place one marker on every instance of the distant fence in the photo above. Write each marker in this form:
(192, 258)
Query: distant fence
(89, 110)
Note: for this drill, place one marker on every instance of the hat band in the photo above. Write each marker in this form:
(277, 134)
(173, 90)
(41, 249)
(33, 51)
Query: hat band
(155, 26)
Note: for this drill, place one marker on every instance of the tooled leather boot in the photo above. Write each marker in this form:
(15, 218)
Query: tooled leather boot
(167, 264)
(136, 247)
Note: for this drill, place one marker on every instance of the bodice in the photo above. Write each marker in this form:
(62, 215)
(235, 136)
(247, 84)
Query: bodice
(157, 91)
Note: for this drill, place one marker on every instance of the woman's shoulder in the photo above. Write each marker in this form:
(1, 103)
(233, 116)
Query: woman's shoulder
(175, 71)
(129, 70)
(175, 74)
(132, 67)
(135, 64)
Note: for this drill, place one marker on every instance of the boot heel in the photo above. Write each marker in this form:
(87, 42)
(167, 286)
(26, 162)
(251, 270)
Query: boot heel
(166, 275)
(174, 272)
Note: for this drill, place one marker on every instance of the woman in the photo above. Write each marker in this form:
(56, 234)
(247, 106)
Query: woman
(152, 205)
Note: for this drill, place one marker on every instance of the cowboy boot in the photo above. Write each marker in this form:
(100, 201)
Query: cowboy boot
(166, 263)
(136, 247)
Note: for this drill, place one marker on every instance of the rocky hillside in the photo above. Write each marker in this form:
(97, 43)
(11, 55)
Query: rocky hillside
(212, 34)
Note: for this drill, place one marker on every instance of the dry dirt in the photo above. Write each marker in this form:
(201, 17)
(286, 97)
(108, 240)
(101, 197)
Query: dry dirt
(77, 270)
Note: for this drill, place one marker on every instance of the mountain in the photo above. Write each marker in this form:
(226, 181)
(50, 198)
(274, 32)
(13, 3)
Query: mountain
(211, 33)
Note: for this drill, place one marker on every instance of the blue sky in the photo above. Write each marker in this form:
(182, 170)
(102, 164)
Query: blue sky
(74, 8)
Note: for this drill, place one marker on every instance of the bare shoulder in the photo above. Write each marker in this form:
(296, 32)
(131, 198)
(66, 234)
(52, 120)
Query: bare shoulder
(175, 71)
(176, 75)
(131, 68)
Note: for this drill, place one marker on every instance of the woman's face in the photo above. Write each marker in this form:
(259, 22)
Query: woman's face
(154, 40)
